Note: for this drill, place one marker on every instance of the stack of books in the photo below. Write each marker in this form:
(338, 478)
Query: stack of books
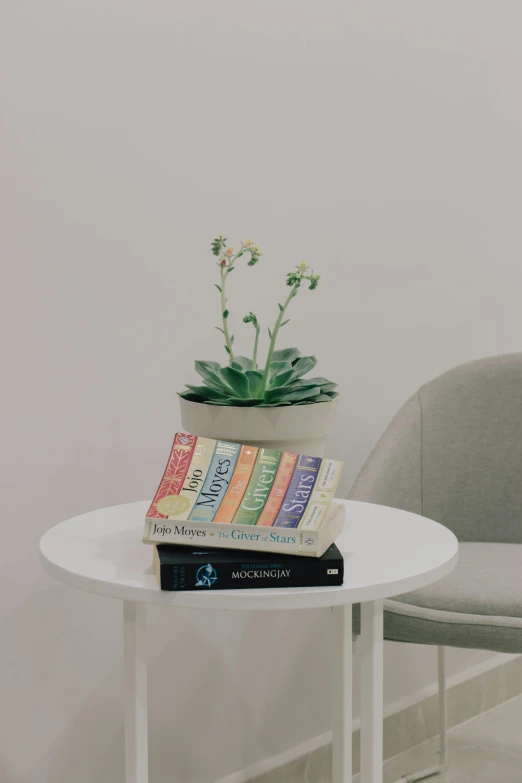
(254, 511)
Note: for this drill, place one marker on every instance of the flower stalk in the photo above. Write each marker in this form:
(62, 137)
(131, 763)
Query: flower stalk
(226, 263)
(224, 312)
(293, 279)
(252, 319)
(273, 337)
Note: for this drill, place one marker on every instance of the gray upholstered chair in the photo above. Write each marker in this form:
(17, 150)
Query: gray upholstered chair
(453, 453)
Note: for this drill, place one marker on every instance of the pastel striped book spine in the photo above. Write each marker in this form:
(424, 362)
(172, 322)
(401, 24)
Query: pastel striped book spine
(259, 487)
(323, 494)
(238, 484)
(278, 491)
(175, 472)
(195, 479)
(299, 492)
(217, 481)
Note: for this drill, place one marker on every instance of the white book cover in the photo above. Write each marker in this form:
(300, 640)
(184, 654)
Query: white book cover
(312, 543)
(322, 495)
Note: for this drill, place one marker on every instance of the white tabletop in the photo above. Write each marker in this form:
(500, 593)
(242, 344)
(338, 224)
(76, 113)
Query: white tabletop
(386, 552)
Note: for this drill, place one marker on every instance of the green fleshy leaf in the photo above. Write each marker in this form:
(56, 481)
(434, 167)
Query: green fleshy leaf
(318, 381)
(250, 402)
(280, 307)
(188, 395)
(239, 402)
(303, 365)
(237, 381)
(286, 355)
(225, 314)
(227, 349)
(282, 392)
(209, 371)
(328, 387)
(274, 404)
(231, 339)
(295, 387)
(243, 363)
(322, 398)
(284, 322)
(278, 367)
(271, 395)
(220, 329)
(206, 365)
(281, 378)
(269, 333)
(225, 401)
(254, 381)
(217, 286)
(301, 394)
(207, 392)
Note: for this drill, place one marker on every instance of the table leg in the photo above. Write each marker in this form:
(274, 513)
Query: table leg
(135, 692)
(371, 691)
(342, 694)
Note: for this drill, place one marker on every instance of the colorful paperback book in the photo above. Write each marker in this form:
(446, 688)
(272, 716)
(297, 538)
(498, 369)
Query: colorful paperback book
(174, 474)
(259, 487)
(310, 543)
(217, 481)
(196, 476)
(278, 491)
(323, 494)
(299, 492)
(187, 568)
(238, 484)
(247, 491)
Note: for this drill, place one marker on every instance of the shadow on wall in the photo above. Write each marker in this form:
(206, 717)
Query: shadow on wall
(60, 669)
(50, 665)
(227, 688)
(190, 698)
(218, 692)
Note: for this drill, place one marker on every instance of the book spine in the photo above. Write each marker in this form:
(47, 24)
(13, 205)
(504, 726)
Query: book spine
(299, 492)
(323, 494)
(238, 484)
(259, 487)
(237, 575)
(174, 473)
(278, 491)
(208, 534)
(217, 481)
(179, 506)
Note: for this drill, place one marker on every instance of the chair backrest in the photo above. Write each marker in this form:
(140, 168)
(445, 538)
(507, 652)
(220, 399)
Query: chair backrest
(454, 453)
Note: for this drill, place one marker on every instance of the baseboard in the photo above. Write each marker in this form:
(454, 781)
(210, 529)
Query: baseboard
(408, 723)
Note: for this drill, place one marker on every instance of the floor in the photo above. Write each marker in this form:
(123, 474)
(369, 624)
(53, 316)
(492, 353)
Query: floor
(487, 749)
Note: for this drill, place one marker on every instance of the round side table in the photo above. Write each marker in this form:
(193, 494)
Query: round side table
(386, 551)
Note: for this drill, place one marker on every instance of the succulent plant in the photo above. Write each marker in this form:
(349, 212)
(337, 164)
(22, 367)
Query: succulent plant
(241, 382)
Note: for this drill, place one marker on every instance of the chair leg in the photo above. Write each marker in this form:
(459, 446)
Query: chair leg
(443, 708)
(443, 727)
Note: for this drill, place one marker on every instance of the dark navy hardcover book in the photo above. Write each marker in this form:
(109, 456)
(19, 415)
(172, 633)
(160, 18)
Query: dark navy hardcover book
(184, 568)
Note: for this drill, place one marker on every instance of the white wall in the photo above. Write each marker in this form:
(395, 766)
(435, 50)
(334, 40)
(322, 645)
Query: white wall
(380, 141)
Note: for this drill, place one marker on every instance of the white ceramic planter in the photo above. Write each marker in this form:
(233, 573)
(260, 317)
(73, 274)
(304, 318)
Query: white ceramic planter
(301, 429)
